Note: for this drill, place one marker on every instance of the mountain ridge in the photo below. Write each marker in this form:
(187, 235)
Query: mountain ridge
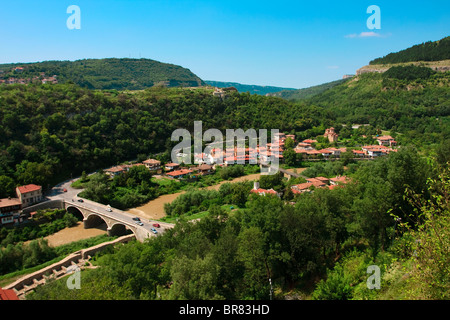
(107, 73)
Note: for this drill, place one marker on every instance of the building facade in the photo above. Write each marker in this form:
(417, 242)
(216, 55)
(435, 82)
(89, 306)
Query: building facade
(10, 211)
(29, 194)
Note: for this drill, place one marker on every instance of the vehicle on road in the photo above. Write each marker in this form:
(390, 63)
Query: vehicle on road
(108, 208)
(65, 190)
(156, 225)
(154, 230)
(136, 219)
(139, 223)
(80, 200)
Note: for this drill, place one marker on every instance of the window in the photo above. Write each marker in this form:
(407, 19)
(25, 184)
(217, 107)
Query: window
(7, 220)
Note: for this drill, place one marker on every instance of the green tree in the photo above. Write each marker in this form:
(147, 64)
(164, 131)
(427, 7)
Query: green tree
(254, 259)
(7, 187)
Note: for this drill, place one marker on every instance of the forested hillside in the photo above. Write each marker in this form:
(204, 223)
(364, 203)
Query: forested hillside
(301, 94)
(427, 51)
(51, 132)
(410, 100)
(120, 74)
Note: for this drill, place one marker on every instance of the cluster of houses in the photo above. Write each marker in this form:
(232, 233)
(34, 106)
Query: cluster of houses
(307, 187)
(10, 208)
(42, 78)
(170, 170)
(261, 154)
(384, 147)
(319, 182)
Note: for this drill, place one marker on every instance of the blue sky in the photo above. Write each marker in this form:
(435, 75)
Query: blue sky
(280, 43)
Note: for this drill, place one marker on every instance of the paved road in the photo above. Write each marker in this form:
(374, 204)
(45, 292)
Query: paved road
(71, 194)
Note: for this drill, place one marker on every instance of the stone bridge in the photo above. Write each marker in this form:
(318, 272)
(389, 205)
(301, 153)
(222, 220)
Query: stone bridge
(118, 223)
(93, 214)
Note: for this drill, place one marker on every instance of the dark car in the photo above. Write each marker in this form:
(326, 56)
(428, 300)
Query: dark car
(80, 200)
(136, 219)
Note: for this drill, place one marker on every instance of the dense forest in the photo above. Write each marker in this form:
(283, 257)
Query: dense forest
(119, 74)
(427, 51)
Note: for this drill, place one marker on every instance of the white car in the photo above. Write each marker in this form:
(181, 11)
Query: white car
(108, 208)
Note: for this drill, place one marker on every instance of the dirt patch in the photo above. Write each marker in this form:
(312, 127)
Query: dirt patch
(154, 209)
(75, 233)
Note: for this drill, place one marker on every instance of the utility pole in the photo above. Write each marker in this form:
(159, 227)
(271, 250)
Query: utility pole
(271, 289)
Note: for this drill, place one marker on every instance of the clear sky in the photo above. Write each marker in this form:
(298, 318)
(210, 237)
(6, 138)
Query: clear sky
(293, 44)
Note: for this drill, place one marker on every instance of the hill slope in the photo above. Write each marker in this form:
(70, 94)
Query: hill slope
(306, 93)
(120, 74)
(428, 51)
(413, 103)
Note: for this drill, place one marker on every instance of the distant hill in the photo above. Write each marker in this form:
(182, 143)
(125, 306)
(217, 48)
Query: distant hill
(113, 73)
(252, 89)
(306, 93)
(428, 51)
(407, 99)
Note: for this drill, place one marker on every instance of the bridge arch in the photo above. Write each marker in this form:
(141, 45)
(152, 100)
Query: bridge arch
(93, 221)
(77, 213)
(119, 229)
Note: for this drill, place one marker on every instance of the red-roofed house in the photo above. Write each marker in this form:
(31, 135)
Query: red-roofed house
(179, 174)
(204, 169)
(386, 141)
(358, 153)
(326, 153)
(339, 180)
(152, 164)
(8, 294)
(301, 188)
(113, 171)
(375, 151)
(171, 166)
(29, 194)
(318, 183)
(262, 192)
(313, 153)
(309, 141)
